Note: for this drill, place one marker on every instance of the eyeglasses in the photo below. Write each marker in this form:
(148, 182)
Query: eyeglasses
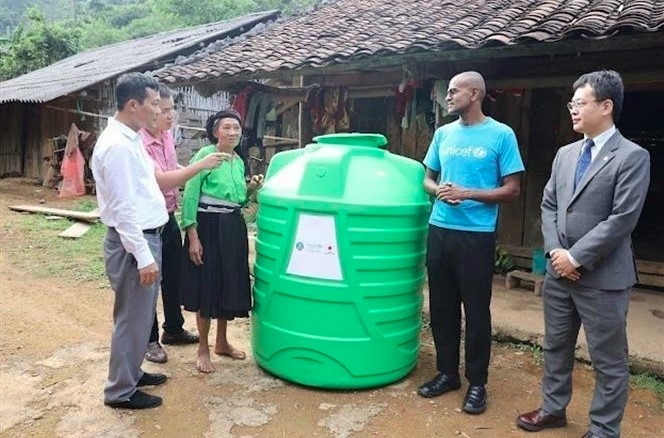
(577, 104)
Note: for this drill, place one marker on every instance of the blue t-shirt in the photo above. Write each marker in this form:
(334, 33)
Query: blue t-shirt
(474, 157)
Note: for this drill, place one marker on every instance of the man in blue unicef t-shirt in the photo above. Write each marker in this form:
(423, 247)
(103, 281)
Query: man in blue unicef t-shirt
(473, 164)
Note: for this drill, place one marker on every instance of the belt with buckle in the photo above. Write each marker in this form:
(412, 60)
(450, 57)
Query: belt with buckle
(214, 208)
(157, 230)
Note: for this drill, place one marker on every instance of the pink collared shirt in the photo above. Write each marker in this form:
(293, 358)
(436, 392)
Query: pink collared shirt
(162, 152)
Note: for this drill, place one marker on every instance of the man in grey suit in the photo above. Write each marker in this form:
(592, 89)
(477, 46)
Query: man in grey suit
(590, 207)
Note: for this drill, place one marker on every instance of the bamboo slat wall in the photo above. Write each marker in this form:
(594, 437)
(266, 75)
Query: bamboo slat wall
(193, 112)
(10, 142)
(193, 103)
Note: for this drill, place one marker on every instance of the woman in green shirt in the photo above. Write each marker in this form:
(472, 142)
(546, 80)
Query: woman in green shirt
(215, 278)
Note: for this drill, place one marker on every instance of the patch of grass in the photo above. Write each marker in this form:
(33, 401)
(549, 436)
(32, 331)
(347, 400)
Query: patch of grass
(524, 346)
(533, 349)
(85, 205)
(36, 248)
(649, 382)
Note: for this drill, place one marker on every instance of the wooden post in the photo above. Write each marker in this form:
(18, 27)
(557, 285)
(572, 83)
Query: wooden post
(304, 118)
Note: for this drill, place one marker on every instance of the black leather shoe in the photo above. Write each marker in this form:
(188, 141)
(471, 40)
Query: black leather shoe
(182, 338)
(151, 379)
(139, 400)
(538, 420)
(589, 434)
(475, 400)
(439, 385)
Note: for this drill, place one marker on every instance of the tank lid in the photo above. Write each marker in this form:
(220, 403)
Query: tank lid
(353, 139)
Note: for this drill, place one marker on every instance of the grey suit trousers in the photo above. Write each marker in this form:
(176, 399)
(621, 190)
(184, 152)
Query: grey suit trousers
(603, 314)
(133, 314)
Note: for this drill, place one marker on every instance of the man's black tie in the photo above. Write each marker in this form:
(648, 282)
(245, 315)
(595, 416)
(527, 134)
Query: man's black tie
(584, 161)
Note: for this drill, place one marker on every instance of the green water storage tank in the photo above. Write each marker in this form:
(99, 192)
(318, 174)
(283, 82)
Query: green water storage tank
(339, 265)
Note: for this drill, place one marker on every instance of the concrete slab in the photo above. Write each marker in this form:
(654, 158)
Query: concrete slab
(517, 313)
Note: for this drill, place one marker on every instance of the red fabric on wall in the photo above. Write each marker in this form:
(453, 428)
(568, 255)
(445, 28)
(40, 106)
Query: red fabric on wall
(72, 167)
(241, 101)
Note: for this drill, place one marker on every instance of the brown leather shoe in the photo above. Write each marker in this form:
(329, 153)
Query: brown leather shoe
(538, 419)
(155, 353)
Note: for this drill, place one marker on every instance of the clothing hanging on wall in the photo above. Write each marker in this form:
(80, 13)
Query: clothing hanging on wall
(73, 164)
(242, 99)
(330, 110)
(259, 106)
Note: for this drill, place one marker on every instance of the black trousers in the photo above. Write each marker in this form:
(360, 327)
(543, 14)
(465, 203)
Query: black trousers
(171, 254)
(460, 266)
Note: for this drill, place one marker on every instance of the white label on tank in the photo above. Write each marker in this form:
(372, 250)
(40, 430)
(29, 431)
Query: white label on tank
(315, 252)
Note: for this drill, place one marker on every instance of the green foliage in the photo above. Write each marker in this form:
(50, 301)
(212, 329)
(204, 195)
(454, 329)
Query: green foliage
(504, 261)
(650, 382)
(206, 11)
(13, 12)
(97, 33)
(113, 23)
(287, 7)
(529, 348)
(37, 45)
(86, 204)
(40, 32)
(107, 21)
(202, 11)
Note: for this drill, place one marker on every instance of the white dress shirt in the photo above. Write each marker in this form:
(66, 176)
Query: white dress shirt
(600, 140)
(127, 191)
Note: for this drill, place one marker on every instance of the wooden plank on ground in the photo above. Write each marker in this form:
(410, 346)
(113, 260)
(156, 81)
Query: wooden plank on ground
(76, 230)
(78, 215)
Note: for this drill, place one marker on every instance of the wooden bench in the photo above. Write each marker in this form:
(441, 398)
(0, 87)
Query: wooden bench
(514, 278)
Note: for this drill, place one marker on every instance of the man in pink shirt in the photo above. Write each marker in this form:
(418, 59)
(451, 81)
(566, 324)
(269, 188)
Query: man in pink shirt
(160, 146)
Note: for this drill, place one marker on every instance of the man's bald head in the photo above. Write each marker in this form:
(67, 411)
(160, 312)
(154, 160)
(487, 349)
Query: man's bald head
(471, 79)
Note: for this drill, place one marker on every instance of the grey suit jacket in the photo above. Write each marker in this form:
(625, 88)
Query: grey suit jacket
(595, 221)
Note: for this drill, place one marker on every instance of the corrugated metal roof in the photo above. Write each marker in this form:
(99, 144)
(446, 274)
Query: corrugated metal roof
(343, 31)
(96, 65)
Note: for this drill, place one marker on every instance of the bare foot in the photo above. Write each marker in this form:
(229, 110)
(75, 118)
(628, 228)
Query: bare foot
(230, 351)
(204, 364)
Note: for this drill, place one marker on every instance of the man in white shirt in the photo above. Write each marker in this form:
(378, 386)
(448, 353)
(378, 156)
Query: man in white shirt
(132, 206)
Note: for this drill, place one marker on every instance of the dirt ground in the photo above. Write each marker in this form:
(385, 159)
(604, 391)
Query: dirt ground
(53, 362)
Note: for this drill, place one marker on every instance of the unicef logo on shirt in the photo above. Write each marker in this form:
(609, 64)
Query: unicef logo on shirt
(299, 246)
(479, 152)
(470, 151)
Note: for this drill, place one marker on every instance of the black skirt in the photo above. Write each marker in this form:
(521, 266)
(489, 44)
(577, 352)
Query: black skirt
(220, 287)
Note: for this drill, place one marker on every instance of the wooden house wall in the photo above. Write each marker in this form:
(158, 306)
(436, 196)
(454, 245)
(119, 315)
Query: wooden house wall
(29, 130)
(12, 138)
(528, 94)
(513, 109)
